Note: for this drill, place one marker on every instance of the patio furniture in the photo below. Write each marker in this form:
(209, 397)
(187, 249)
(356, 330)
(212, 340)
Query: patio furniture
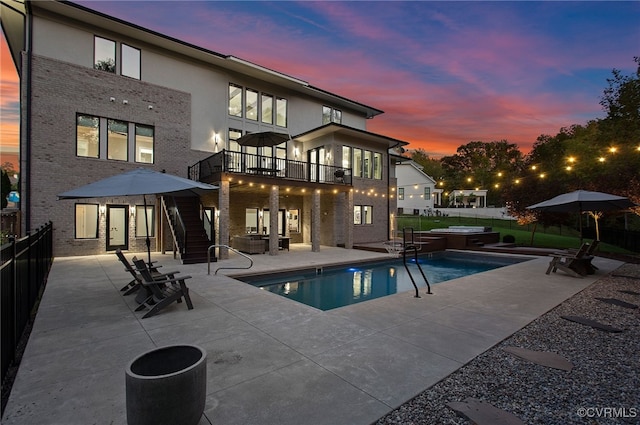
(249, 244)
(136, 283)
(163, 291)
(576, 264)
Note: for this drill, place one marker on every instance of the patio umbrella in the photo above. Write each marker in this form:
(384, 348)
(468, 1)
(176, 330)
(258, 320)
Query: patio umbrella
(140, 181)
(583, 200)
(264, 138)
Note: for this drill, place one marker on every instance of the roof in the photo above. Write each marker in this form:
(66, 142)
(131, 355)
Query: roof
(341, 129)
(97, 19)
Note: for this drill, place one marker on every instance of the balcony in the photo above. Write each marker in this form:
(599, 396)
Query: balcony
(209, 170)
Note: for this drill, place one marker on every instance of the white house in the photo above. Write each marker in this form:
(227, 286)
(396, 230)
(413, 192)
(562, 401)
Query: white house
(416, 190)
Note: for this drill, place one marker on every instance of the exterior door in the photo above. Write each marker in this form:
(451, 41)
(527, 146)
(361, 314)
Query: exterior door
(117, 227)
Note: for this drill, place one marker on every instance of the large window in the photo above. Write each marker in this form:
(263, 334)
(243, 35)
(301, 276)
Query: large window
(281, 112)
(357, 162)
(251, 105)
(235, 100)
(130, 62)
(377, 165)
(144, 144)
(104, 54)
(367, 165)
(346, 157)
(294, 221)
(251, 220)
(88, 136)
(267, 109)
(143, 223)
(117, 138)
(362, 214)
(86, 221)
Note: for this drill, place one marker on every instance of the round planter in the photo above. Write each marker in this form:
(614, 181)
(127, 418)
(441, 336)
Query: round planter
(167, 385)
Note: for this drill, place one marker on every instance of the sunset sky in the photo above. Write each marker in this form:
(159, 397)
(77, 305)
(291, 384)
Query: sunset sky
(445, 73)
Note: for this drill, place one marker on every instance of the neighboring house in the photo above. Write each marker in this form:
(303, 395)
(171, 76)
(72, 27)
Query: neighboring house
(416, 190)
(100, 96)
(468, 198)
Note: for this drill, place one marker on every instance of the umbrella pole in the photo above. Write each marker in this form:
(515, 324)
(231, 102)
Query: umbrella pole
(146, 225)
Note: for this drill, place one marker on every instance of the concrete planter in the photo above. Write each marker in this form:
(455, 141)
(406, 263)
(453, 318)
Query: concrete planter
(167, 385)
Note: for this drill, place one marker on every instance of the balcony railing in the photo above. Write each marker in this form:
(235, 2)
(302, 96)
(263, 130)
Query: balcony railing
(209, 169)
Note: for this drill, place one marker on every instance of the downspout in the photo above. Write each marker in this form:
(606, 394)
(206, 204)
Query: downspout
(26, 183)
(388, 194)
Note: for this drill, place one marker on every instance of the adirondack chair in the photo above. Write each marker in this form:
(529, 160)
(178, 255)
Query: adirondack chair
(591, 249)
(576, 264)
(136, 282)
(163, 291)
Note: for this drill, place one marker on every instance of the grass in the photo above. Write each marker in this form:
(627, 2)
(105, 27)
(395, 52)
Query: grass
(560, 237)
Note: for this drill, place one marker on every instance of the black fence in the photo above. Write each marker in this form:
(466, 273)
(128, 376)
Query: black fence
(24, 268)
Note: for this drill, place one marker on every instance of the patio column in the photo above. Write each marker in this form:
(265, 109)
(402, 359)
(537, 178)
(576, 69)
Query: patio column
(348, 219)
(315, 221)
(223, 219)
(274, 206)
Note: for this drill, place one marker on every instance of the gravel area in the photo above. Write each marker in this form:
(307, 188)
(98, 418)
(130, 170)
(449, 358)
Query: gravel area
(602, 388)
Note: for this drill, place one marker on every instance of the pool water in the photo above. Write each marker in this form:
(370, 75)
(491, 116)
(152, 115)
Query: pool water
(335, 287)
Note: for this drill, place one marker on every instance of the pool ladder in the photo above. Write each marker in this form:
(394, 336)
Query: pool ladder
(412, 247)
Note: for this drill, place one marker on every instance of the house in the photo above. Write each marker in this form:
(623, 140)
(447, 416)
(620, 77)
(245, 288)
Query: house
(100, 96)
(416, 190)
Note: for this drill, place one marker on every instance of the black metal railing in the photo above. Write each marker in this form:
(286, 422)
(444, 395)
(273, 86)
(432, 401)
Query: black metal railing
(178, 228)
(266, 166)
(24, 268)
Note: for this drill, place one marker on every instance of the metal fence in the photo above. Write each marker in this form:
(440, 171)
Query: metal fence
(24, 268)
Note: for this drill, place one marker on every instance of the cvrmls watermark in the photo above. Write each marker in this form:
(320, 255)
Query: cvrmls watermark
(607, 412)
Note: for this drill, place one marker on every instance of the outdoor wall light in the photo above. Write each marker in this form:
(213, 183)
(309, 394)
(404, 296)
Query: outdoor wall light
(112, 99)
(125, 102)
(132, 210)
(150, 107)
(103, 210)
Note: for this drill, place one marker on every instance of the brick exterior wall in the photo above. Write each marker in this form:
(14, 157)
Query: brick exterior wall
(60, 91)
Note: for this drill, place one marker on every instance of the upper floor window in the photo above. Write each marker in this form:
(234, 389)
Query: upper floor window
(104, 54)
(255, 106)
(88, 136)
(130, 62)
(330, 114)
(427, 193)
(117, 137)
(401, 193)
(357, 162)
(144, 144)
(346, 157)
(367, 166)
(377, 165)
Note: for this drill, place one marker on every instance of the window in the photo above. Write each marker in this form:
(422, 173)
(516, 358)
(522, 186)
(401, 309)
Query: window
(357, 162)
(104, 54)
(88, 136)
(294, 221)
(362, 214)
(330, 114)
(235, 100)
(86, 221)
(234, 135)
(142, 222)
(281, 112)
(117, 137)
(130, 62)
(144, 144)
(427, 193)
(266, 115)
(368, 165)
(251, 220)
(377, 166)
(401, 194)
(251, 105)
(346, 157)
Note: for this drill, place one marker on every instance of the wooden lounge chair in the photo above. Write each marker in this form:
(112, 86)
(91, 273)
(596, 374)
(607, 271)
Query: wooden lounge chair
(591, 249)
(163, 291)
(136, 282)
(576, 264)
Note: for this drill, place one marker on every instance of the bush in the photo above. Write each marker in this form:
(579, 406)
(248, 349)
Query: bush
(509, 239)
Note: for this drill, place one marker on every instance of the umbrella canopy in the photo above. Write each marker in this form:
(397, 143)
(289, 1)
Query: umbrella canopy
(265, 138)
(583, 200)
(580, 201)
(140, 181)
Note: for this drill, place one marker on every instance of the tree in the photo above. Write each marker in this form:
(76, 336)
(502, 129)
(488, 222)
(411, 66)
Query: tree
(6, 188)
(431, 167)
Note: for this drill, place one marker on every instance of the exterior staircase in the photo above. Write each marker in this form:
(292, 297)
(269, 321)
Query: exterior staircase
(196, 241)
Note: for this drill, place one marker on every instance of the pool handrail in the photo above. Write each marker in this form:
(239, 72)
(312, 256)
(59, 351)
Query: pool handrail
(220, 268)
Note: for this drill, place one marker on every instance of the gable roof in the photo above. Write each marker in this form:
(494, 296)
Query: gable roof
(341, 129)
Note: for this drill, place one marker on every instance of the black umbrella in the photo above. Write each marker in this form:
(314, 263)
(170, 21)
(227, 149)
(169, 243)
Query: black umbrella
(263, 139)
(140, 181)
(581, 201)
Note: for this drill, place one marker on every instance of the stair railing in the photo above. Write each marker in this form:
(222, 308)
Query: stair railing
(178, 229)
(232, 249)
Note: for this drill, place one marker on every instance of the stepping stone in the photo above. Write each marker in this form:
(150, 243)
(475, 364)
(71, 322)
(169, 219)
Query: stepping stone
(618, 302)
(592, 323)
(483, 413)
(544, 358)
(624, 291)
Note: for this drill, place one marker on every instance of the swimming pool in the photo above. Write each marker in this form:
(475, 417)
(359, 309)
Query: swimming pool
(333, 287)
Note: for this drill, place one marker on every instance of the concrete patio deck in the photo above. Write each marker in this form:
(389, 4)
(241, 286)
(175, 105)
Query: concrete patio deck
(270, 360)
